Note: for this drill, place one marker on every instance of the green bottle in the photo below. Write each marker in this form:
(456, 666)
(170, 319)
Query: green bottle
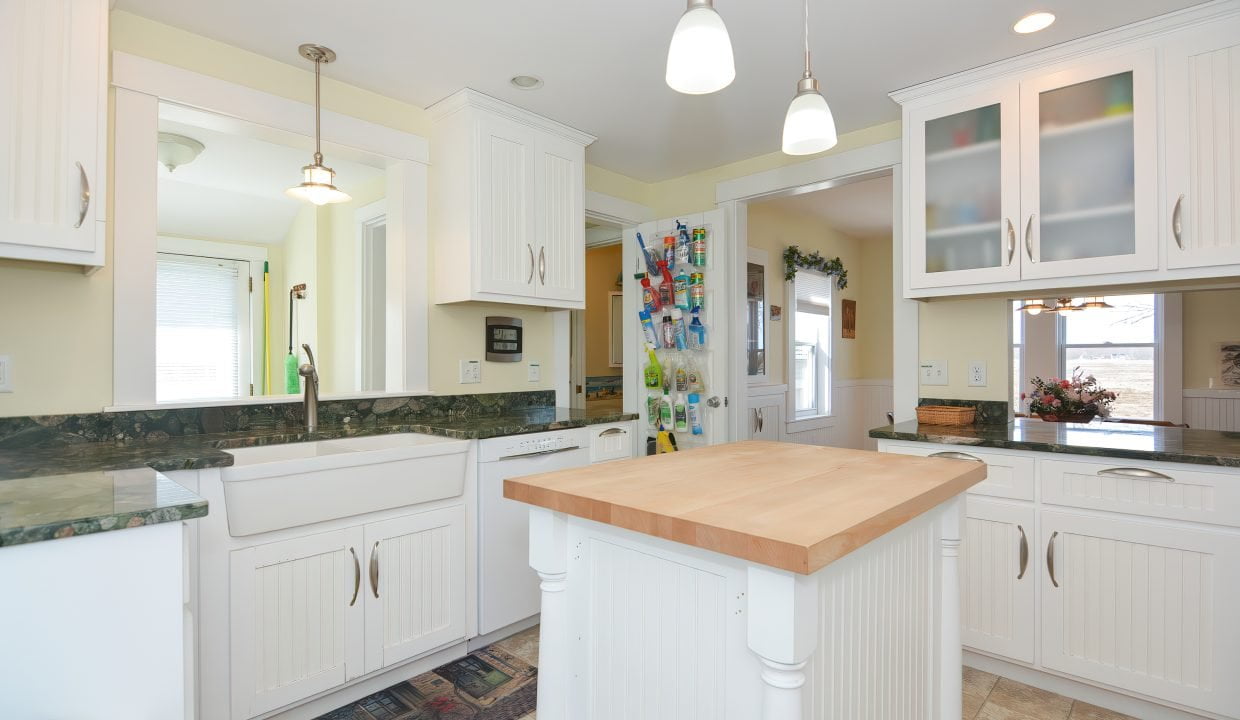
(665, 413)
(653, 372)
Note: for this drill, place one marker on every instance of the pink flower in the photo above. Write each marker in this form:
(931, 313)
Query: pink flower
(1056, 402)
(1023, 396)
(1065, 384)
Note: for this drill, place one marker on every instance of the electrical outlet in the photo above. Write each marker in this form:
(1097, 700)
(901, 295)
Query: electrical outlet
(977, 374)
(471, 371)
(6, 374)
(933, 372)
(535, 372)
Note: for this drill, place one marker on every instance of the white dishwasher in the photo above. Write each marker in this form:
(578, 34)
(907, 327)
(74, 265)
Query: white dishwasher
(507, 586)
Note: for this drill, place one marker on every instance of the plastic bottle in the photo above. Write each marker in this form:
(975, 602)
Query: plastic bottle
(680, 336)
(650, 296)
(698, 247)
(669, 252)
(681, 287)
(695, 413)
(682, 379)
(693, 375)
(665, 412)
(669, 330)
(653, 373)
(681, 414)
(682, 244)
(697, 291)
(652, 338)
(652, 409)
(697, 332)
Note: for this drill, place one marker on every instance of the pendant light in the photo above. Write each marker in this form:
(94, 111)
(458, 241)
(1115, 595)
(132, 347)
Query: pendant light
(1035, 307)
(1096, 303)
(316, 183)
(809, 127)
(699, 60)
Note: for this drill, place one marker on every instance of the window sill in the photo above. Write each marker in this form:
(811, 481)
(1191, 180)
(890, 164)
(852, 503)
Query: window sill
(817, 422)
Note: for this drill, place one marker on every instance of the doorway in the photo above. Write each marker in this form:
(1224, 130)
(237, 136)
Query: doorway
(596, 333)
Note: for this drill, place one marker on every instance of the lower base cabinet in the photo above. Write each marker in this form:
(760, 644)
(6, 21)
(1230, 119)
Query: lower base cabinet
(999, 574)
(311, 613)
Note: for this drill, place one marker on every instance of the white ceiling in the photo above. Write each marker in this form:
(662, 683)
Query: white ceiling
(603, 62)
(861, 209)
(234, 190)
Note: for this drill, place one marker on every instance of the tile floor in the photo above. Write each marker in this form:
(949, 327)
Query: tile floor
(990, 697)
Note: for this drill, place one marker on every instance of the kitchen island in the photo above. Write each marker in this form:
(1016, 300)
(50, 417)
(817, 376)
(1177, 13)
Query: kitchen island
(749, 580)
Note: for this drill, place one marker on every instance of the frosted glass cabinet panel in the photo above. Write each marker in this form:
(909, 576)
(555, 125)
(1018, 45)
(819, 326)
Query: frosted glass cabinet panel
(965, 170)
(1089, 154)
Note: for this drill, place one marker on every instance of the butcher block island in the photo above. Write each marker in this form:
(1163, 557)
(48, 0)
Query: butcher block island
(749, 580)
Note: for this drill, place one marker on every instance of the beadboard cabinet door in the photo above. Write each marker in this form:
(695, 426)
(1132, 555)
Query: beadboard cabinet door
(1201, 202)
(1143, 606)
(415, 588)
(508, 262)
(297, 619)
(999, 569)
(559, 191)
(53, 104)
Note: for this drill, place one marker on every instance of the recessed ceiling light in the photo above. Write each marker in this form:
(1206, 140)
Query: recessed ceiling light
(1034, 22)
(526, 82)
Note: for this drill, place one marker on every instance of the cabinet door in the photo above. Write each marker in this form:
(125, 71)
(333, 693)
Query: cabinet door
(1201, 206)
(415, 586)
(50, 118)
(963, 193)
(296, 618)
(1089, 162)
(766, 418)
(1143, 606)
(999, 571)
(559, 211)
(508, 262)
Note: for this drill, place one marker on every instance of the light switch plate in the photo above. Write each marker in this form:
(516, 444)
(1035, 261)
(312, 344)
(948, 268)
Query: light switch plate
(6, 373)
(535, 372)
(471, 371)
(933, 372)
(977, 374)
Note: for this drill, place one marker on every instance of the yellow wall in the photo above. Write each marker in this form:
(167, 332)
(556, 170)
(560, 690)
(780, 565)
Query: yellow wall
(1210, 317)
(959, 332)
(874, 329)
(602, 266)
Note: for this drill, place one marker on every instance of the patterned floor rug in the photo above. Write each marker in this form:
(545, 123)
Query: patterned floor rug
(498, 682)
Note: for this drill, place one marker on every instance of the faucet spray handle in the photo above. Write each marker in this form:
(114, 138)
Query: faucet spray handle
(308, 370)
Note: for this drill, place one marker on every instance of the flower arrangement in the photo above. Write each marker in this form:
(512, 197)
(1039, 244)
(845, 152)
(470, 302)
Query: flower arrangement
(1077, 400)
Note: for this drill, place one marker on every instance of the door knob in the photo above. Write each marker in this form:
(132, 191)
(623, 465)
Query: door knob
(713, 402)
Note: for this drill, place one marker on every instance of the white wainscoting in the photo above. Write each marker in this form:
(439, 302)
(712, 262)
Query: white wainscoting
(1212, 409)
(857, 406)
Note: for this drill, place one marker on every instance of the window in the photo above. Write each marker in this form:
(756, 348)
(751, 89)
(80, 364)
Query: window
(202, 333)
(811, 344)
(1019, 380)
(1118, 346)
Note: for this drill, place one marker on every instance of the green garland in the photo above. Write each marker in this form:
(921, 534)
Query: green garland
(794, 258)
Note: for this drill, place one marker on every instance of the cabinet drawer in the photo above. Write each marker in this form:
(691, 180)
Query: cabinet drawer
(611, 442)
(1152, 489)
(1008, 476)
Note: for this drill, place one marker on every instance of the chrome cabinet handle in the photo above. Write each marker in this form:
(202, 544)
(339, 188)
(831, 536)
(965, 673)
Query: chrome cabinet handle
(374, 569)
(530, 279)
(540, 452)
(1024, 553)
(1029, 237)
(83, 183)
(952, 455)
(1177, 222)
(613, 431)
(1011, 240)
(1050, 558)
(1131, 472)
(542, 265)
(357, 576)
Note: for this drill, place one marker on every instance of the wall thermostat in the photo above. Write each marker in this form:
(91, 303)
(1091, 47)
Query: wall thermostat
(503, 339)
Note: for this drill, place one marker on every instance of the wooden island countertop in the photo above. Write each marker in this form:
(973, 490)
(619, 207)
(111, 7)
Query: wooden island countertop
(793, 507)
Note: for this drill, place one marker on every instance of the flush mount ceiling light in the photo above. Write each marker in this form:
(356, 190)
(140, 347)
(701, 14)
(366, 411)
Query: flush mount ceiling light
(177, 150)
(526, 82)
(317, 179)
(1034, 307)
(809, 126)
(699, 60)
(1034, 22)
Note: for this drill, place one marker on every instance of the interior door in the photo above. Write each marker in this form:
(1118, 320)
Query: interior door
(964, 190)
(559, 167)
(415, 585)
(1089, 162)
(999, 568)
(509, 261)
(712, 362)
(1144, 606)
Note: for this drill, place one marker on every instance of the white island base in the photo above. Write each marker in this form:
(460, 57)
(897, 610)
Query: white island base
(635, 626)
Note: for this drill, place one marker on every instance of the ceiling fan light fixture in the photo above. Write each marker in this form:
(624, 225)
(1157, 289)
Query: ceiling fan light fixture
(1033, 22)
(318, 181)
(809, 126)
(699, 59)
(176, 150)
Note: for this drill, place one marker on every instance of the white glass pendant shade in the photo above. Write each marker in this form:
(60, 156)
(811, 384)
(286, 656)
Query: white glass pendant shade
(809, 126)
(317, 187)
(699, 60)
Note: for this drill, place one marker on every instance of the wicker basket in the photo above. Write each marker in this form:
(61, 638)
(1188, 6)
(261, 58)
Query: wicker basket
(945, 415)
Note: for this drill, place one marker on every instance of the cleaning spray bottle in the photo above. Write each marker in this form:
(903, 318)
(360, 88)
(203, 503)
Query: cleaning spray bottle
(682, 244)
(695, 413)
(653, 374)
(650, 296)
(680, 335)
(665, 287)
(652, 338)
(697, 332)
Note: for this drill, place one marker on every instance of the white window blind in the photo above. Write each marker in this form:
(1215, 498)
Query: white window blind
(811, 378)
(201, 312)
(813, 292)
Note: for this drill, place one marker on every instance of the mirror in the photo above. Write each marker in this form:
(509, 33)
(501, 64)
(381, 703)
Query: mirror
(755, 318)
(245, 275)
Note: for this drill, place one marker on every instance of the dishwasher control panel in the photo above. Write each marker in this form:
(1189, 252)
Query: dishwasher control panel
(516, 445)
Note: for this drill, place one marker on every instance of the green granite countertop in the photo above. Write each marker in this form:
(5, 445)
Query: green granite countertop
(1098, 438)
(60, 506)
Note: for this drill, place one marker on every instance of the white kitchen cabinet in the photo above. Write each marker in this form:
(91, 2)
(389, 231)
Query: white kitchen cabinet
(767, 416)
(53, 109)
(508, 219)
(415, 589)
(1008, 475)
(1144, 606)
(999, 568)
(297, 619)
(1201, 202)
(614, 441)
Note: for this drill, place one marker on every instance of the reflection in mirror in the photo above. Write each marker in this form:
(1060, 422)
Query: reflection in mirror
(755, 318)
(231, 248)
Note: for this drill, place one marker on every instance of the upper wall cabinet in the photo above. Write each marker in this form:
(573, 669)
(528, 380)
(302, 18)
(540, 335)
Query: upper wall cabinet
(508, 208)
(1045, 172)
(53, 149)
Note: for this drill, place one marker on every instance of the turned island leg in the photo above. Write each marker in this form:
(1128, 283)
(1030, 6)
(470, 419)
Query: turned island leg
(549, 556)
(783, 633)
(951, 660)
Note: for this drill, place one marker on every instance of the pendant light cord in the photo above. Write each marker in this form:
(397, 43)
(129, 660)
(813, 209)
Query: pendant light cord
(807, 70)
(318, 150)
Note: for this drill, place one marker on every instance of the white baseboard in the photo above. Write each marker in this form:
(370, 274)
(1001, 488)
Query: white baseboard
(482, 641)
